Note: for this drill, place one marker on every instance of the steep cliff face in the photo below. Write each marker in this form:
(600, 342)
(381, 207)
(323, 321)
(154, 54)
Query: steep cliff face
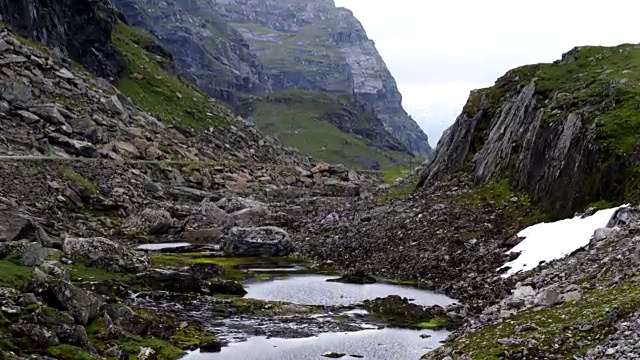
(207, 51)
(565, 132)
(313, 45)
(79, 29)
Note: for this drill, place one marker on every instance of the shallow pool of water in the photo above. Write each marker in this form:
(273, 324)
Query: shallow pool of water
(382, 344)
(162, 246)
(315, 290)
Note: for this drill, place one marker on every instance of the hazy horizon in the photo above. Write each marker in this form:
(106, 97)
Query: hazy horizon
(439, 52)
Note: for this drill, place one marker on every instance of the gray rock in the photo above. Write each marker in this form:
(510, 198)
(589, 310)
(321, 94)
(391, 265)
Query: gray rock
(33, 255)
(27, 299)
(49, 113)
(571, 296)
(16, 224)
(150, 221)
(208, 215)
(83, 305)
(251, 216)
(4, 107)
(74, 147)
(115, 104)
(260, 241)
(547, 297)
(105, 254)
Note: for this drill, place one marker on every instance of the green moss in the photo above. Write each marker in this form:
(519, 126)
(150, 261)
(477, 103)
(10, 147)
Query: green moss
(436, 323)
(391, 174)
(558, 328)
(602, 204)
(84, 183)
(230, 264)
(69, 352)
(166, 349)
(13, 273)
(152, 87)
(399, 192)
(80, 273)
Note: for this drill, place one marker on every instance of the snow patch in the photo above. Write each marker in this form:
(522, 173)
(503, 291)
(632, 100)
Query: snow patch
(550, 241)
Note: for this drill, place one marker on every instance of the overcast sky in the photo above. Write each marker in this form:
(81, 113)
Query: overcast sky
(440, 50)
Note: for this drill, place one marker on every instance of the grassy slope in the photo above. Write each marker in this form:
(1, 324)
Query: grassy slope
(298, 124)
(152, 87)
(558, 327)
(602, 84)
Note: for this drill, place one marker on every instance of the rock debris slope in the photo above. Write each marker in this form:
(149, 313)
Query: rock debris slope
(89, 169)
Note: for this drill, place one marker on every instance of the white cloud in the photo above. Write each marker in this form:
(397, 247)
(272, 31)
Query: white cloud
(462, 44)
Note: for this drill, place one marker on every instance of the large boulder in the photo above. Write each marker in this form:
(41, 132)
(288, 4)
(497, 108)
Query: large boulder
(150, 221)
(33, 255)
(258, 241)
(209, 216)
(16, 224)
(83, 305)
(105, 254)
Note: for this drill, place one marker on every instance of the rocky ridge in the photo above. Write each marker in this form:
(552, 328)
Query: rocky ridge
(564, 132)
(217, 53)
(322, 47)
(211, 54)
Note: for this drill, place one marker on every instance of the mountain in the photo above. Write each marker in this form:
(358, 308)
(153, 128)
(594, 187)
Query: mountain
(565, 132)
(314, 45)
(318, 49)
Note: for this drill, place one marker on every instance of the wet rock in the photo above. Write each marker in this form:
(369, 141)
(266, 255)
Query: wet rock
(211, 346)
(334, 355)
(206, 271)
(83, 305)
(357, 277)
(150, 221)
(33, 255)
(260, 241)
(173, 281)
(226, 287)
(398, 311)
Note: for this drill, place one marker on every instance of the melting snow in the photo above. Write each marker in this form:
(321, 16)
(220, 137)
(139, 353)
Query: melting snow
(550, 241)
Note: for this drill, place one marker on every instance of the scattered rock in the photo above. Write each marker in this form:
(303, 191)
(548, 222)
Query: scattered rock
(83, 305)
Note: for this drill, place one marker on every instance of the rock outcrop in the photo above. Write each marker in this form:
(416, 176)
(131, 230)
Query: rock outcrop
(207, 51)
(79, 29)
(565, 132)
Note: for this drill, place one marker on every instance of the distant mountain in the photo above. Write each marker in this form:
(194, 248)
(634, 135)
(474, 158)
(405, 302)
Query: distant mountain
(243, 50)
